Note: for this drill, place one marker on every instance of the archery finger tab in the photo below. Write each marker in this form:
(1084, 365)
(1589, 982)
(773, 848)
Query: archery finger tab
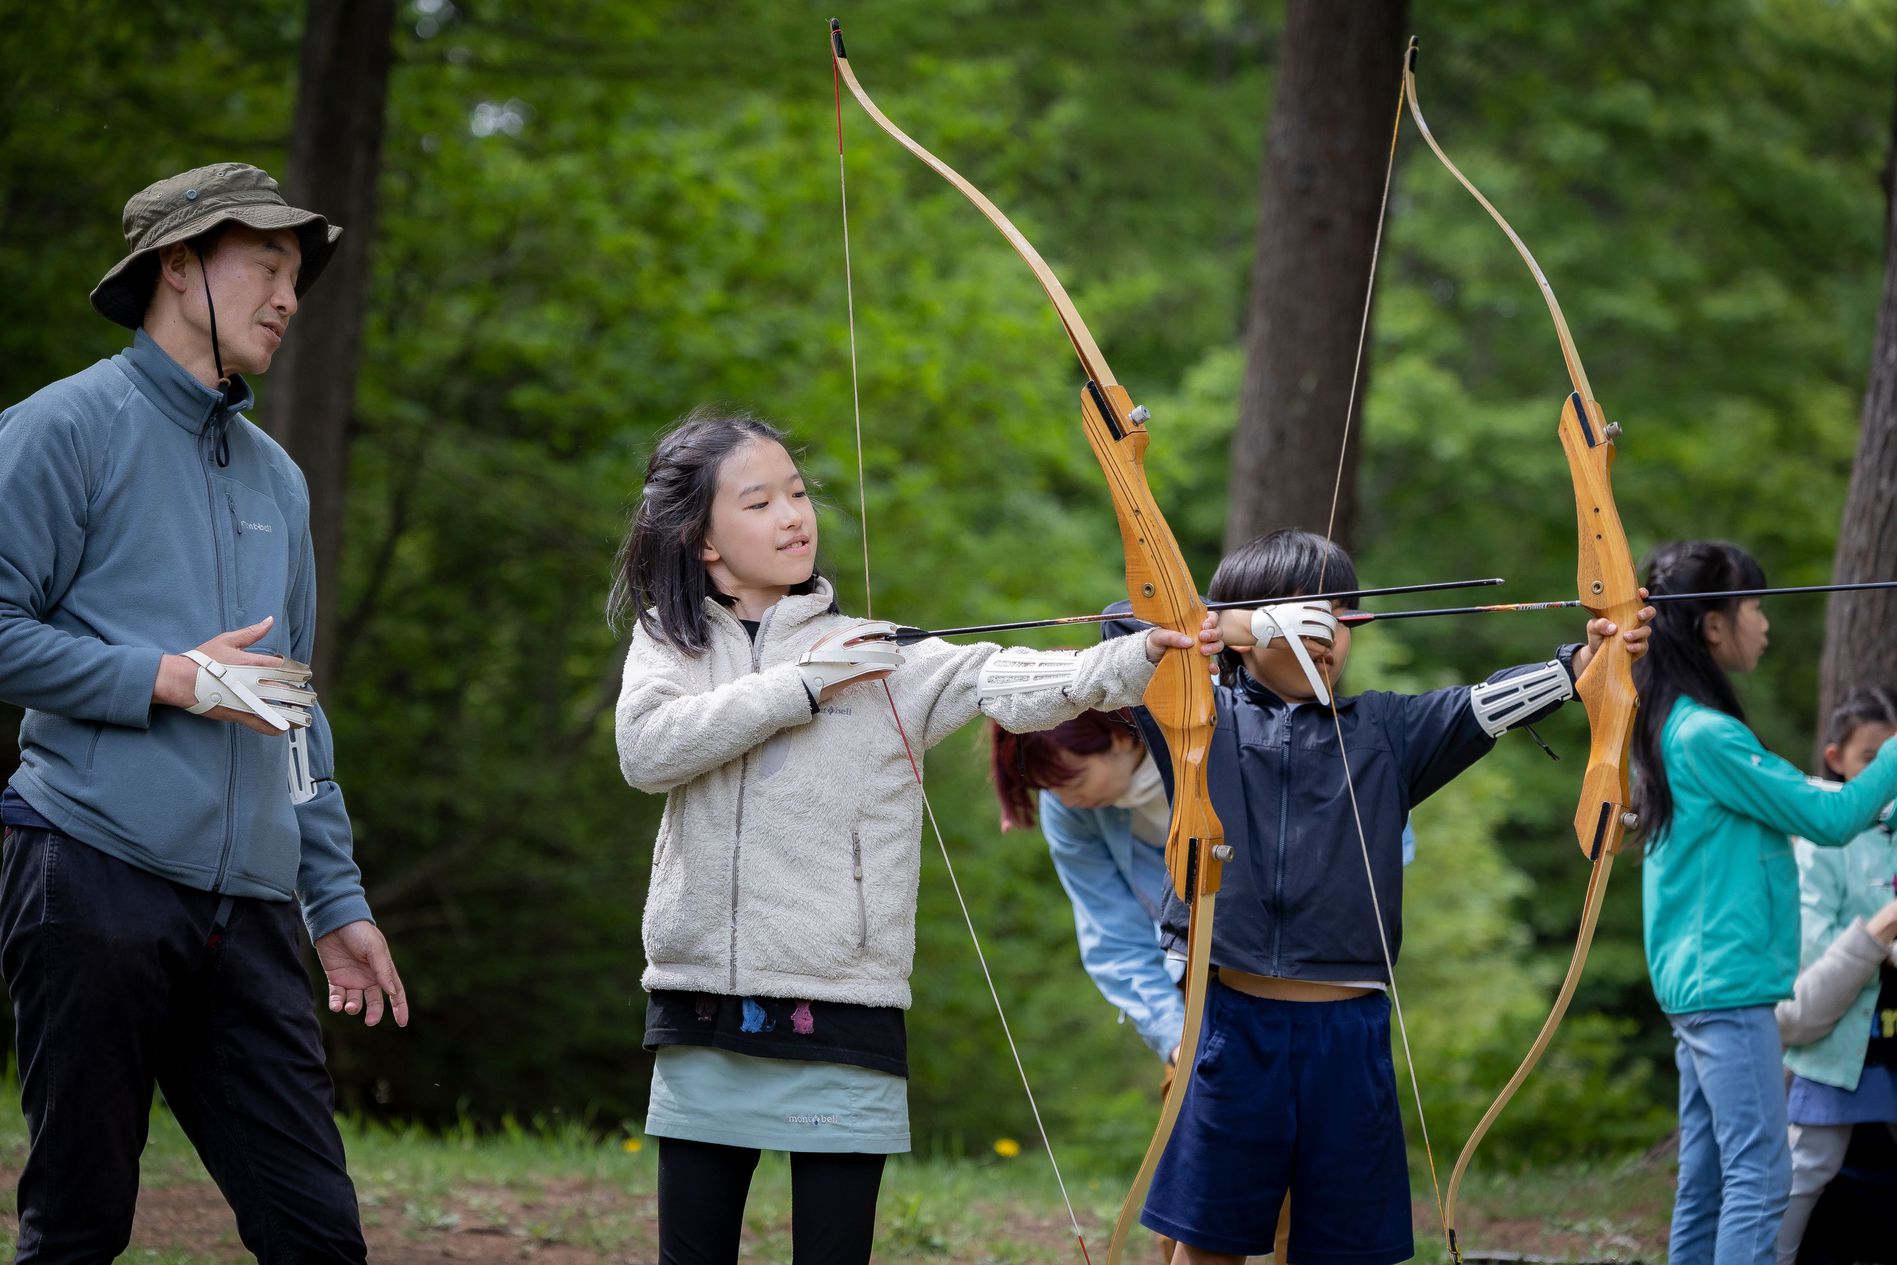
(870, 630)
(1295, 622)
(846, 655)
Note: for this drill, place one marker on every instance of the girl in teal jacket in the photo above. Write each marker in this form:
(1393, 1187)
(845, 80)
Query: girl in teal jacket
(1720, 896)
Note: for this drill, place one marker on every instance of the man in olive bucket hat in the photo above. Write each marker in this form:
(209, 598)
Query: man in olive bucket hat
(175, 798)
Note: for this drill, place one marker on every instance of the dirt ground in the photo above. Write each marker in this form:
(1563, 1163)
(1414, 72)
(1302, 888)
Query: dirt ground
(479, 1227)
(579, 1223)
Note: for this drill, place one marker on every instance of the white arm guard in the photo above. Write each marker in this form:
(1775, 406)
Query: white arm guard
(849, 654)
(1017, 671)
(302, 782)
(281, 695)
(1499, 704)
(1294, 621)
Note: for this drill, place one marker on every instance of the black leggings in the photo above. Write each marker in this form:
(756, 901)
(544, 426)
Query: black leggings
(702, 1187)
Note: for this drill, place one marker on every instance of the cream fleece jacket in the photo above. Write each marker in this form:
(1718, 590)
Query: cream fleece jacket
(789, 855)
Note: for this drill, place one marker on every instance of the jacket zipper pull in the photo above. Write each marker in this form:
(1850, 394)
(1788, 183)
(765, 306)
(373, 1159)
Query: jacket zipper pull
(237, 524)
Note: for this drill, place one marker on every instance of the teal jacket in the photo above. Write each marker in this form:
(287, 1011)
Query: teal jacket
(127, 540)
(1719, 888)
(1837, 886)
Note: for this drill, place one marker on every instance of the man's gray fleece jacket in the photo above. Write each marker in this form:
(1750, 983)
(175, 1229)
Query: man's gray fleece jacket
(125, 540)
(789, 854)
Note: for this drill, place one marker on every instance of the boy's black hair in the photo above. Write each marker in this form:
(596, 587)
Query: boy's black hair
(1678, 663)
(658, 573)
(1874, 705)
(1282, 565)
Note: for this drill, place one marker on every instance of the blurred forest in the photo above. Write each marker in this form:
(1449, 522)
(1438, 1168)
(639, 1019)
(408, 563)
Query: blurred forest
(593, 216)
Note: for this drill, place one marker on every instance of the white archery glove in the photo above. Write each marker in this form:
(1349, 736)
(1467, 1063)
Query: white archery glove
(281, 696)
(1294, 621)
(849, 654)
(302, 779)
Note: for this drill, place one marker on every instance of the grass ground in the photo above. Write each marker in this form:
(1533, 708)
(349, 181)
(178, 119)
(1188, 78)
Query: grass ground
(561, 1197)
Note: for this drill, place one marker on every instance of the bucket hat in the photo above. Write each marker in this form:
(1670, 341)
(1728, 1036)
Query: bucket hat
(180, 207)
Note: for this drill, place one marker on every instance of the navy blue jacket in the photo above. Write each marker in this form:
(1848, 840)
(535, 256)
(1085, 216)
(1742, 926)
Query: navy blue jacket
(1293, 901)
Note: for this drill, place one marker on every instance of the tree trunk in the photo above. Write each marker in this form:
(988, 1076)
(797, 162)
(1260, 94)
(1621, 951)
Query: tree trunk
(335, 158)
(1859, 649)
(1325, 159)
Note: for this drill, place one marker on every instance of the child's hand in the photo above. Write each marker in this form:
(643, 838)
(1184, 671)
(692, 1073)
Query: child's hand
(1883, 924)
(1235, 629)
(1160, 640)
(1599, 630)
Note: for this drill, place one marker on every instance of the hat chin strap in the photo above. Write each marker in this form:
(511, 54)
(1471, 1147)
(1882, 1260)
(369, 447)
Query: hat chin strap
(217, 357)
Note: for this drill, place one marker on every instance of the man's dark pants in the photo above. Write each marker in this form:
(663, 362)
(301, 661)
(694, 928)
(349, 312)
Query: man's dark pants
(121, 980)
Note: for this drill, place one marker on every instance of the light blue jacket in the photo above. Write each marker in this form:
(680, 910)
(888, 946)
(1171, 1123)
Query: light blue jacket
(1118, 885)
(1719, 890)
(1837, 886)
(125, 540)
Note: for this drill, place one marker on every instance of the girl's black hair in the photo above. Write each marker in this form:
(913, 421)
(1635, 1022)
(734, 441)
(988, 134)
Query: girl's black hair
(1678, 663)
(1874, 705)
(1283, 564)
(659, 573)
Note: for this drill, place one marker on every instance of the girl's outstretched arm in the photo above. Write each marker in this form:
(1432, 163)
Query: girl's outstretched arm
(942, 685)
(1734, 769)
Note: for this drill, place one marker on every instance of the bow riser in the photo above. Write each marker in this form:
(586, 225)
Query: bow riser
(1604, 580)
(1162, 593)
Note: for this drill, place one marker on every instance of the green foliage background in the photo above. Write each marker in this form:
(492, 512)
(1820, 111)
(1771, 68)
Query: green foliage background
(595, 216)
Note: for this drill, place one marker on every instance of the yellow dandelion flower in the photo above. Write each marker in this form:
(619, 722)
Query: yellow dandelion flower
(1007, 1148)
(632, 1145)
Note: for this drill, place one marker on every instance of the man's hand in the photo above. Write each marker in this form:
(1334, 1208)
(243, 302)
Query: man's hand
(357, 964)
(177, 683)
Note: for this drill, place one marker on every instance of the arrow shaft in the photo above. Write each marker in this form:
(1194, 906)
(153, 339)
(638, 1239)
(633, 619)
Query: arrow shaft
(904, 636)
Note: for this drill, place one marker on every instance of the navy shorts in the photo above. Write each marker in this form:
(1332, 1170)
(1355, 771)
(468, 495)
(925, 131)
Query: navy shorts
(1297, 1097)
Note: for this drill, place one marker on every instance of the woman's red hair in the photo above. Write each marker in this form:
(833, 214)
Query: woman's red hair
(1026, 763)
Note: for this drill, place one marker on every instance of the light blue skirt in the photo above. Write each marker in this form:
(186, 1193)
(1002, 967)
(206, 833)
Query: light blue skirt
(704, 1094)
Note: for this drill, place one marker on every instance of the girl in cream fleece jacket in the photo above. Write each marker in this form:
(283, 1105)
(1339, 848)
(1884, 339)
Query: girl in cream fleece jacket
(779, 926)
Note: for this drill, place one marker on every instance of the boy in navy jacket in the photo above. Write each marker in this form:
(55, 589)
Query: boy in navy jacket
(1293, 1087)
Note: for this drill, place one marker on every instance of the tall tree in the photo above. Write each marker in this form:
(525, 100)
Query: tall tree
(1325, 159)
(335, 159)
(1859, 649)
